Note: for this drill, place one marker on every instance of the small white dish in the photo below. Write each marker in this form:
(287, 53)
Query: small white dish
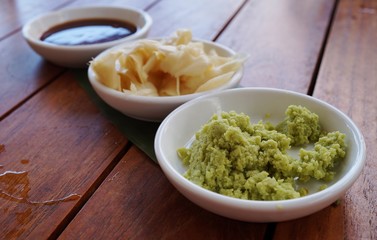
(179, 127)
(78, 56)
(150, 108)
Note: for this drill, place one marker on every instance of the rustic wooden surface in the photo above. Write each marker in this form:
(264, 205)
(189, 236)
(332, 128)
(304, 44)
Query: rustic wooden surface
(75, 176)
(283, 40)
(348, 80)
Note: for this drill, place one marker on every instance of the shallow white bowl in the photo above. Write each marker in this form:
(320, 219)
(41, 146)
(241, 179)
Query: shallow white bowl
(79, 56)
(180, 126)
(155, 108)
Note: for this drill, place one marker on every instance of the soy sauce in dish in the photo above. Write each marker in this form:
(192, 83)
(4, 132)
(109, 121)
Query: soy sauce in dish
(88, 31)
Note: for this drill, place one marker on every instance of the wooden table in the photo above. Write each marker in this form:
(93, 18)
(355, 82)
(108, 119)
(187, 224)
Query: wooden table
(67, 172)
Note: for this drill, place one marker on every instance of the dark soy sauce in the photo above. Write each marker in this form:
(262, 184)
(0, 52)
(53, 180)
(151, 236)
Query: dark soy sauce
(88, 31)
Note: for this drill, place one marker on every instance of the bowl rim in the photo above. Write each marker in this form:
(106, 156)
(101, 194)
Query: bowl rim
(93, 78)
(335, 189)
(36, 41)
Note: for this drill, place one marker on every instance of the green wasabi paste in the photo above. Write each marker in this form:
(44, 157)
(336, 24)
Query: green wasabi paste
(234, 157)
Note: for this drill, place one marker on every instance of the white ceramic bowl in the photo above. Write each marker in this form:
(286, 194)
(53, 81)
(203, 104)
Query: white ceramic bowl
(180, 126)
(155, 108)
(78, 56)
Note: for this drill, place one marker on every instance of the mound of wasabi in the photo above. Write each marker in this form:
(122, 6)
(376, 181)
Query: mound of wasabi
(234, 157)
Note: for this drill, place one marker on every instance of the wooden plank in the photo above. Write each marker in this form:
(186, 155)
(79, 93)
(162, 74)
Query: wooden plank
(54, 145)
(15, 13)
(347, 80)
(137, 201)
(205, 18)
(23, 72)
(121, 3)
(283, 40)
(318, 226)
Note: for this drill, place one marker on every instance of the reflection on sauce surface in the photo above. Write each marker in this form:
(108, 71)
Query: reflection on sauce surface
(88, 31)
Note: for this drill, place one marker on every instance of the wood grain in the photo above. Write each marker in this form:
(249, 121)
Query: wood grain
(23, 73)
(15, 13)
(318, 226)
(205, 18)
(66, 171)
(282, 39)
(347, 80)
(136, 201)
(63, 146)
(120, 3)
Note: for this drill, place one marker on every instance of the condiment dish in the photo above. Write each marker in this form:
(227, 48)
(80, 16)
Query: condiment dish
(78, 56)
(179, 127)
(155, 108)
